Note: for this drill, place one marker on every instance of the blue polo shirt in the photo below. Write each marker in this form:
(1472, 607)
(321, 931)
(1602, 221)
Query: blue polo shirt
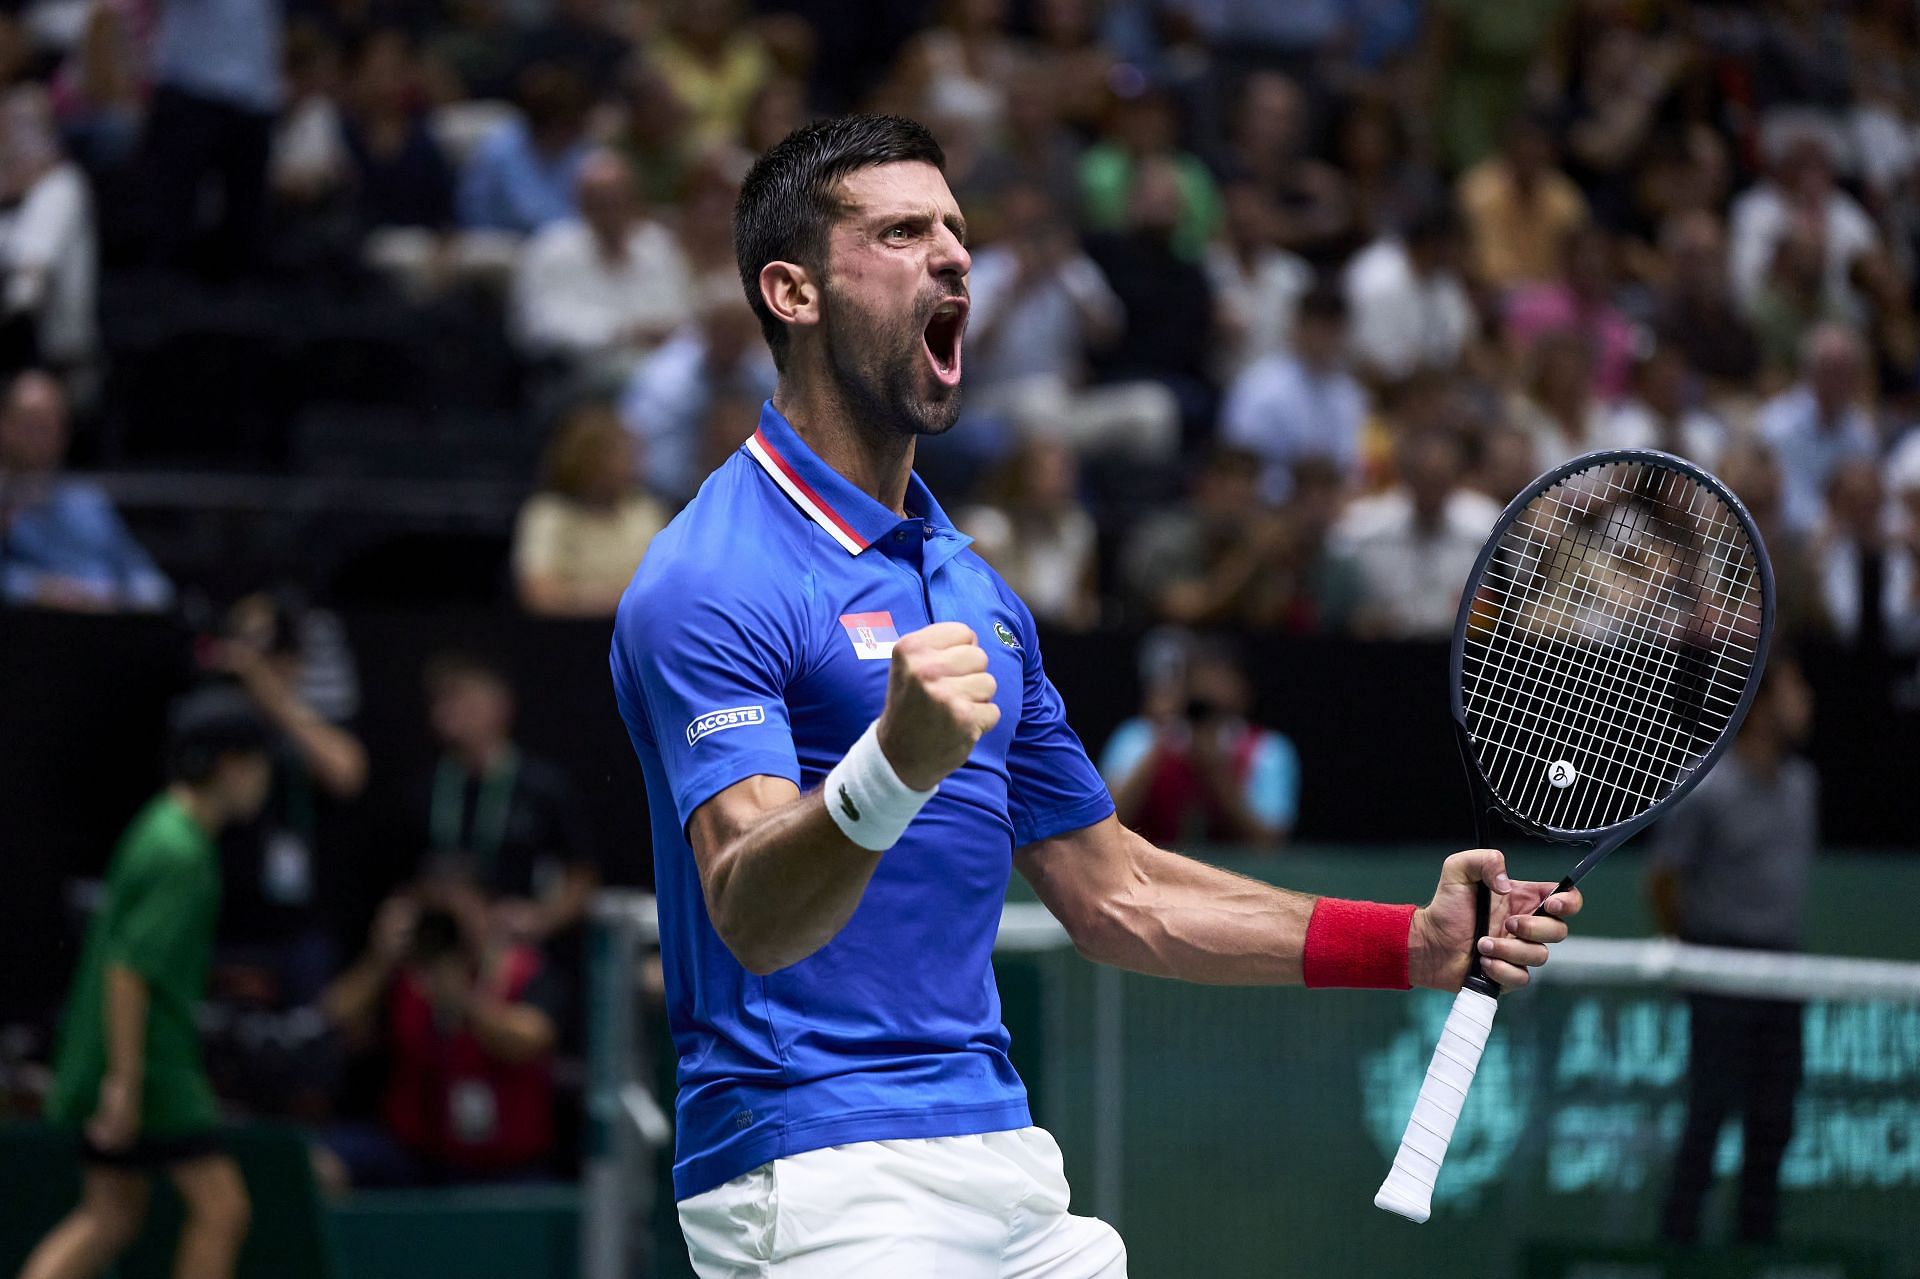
(754, 640)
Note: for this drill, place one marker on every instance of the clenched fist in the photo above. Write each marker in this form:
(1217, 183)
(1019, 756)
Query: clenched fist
(939, 703)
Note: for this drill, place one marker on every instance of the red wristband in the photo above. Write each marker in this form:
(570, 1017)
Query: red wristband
(1362, 945)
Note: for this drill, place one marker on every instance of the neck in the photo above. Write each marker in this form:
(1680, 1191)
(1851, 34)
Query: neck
(877, 463)
(483, 758)
(200, 806)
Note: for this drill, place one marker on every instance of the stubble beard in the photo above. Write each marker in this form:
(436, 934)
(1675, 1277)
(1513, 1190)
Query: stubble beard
(876, 368)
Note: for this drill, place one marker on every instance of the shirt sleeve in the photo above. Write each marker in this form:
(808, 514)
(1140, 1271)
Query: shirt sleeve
(150, 933)
(1273, 782)
(703, 676)
(1052, 787)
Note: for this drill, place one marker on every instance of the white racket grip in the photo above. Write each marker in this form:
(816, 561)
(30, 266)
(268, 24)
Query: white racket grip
(1408, 1189)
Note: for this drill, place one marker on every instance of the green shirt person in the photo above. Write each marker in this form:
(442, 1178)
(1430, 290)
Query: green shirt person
(128, 1072)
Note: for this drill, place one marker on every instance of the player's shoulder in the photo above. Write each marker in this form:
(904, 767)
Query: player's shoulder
(735, 547)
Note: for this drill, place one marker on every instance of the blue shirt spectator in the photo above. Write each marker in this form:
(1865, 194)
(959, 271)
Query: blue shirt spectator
(62, 545)
(510, 184)
(227, 51)
(1819, 422)
(1285, 407)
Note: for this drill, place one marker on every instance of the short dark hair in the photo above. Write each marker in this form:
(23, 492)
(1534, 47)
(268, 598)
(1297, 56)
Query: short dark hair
(208, 725)
(1324, 301)
(788, 204)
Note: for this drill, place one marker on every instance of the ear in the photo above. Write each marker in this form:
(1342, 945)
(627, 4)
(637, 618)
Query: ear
(791, 293)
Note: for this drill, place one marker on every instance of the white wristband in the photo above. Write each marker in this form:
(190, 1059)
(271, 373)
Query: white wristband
(866, 798)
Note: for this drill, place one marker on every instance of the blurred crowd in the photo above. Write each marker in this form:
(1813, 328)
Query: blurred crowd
(1274, 305)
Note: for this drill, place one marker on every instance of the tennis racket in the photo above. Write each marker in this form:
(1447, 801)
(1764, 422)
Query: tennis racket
(1610, 639)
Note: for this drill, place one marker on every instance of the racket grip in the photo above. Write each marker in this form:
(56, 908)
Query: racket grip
(1408, 1189)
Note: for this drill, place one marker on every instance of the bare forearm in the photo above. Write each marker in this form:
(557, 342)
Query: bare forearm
(336, 757)
(126, 1018)
(783, 888)
(1184, 919)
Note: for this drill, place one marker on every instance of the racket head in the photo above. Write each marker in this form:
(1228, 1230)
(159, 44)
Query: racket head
(1615, 623)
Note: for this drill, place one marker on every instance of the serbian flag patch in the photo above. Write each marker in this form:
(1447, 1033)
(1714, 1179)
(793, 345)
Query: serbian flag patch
(872, 635)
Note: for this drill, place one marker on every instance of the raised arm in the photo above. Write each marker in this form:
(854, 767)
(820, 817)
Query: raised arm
(1127, 903)
(781, 873)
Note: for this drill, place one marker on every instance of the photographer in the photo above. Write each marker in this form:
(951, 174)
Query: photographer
(467, 1030)
(1191, 767)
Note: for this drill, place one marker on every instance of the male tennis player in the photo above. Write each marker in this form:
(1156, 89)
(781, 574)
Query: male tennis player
(849, 741)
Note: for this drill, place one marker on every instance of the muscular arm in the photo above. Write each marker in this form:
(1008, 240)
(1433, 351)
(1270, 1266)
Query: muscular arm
(335, 756)
(1127, 903)
(780, 878)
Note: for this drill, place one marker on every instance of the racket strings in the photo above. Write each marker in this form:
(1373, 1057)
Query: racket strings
(1606, 634)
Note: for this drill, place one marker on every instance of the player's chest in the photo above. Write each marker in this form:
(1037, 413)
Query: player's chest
(859, 622)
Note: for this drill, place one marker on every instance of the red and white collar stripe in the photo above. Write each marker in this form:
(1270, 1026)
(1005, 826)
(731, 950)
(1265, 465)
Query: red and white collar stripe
(804, 496)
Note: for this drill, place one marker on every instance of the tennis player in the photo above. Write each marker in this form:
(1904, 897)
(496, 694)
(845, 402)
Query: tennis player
(849, 742)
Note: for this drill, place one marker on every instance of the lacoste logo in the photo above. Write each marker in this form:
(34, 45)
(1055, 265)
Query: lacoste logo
(846, 806)
(1005, 635)
(733, 717)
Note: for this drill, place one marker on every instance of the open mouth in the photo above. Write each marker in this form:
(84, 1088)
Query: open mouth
(943, 337)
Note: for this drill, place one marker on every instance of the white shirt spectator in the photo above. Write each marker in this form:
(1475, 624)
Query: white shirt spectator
(1410, 578)
(1402, 323)
(1808, 448)
(1040, 330)
(1261, 296)
(1632, 425)
(1048, 568)
(569, 300)
(1283, 409)
(52, 267)
(1840, 592)
(1760, 219)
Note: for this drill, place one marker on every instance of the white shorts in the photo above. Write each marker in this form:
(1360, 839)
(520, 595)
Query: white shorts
(992, 1206)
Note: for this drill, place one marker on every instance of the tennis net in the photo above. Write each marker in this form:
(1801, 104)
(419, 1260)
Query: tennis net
(1234, 1132)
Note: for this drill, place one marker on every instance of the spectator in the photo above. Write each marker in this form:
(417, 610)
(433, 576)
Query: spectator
(1556, 406)
(1032, 148)
(1579, 300)
(1518, 208)
(1799, 194)
(1033, 529)
(401, 177)
(1209, 561)
(1039, 305)
(715, 62)
(511, 821)
(1169, 303)
(1410, 309)
(1304, 404)
(307, 163)
(1694, 308)
(128, 1073)
(46, 242)
(524, 174)
(62, 544)
(1730, 868)
(283, 885)
(580, 537)
(218, 85)
(1662, 413)
(467, 1022)
(959, 67)
(1389, 189)
(1869, 581)
(1481, 57)
(1414, 545)
(1315, 586)
(1752, 472)
(1625, 77)
(1191, 768)
(1509, 461)
(1258, 284)
(1144, 135)
(474, 55)
(1791, 302)
(654, 135)
(1310, 208)
(581, 35)
(674, 391)
(1820, 421)
(603, 288)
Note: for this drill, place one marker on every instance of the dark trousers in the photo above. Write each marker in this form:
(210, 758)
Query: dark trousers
(191, 142)
(1745, 1059)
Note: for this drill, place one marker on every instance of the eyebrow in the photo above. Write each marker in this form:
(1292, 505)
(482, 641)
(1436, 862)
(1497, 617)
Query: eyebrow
(955, 222)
